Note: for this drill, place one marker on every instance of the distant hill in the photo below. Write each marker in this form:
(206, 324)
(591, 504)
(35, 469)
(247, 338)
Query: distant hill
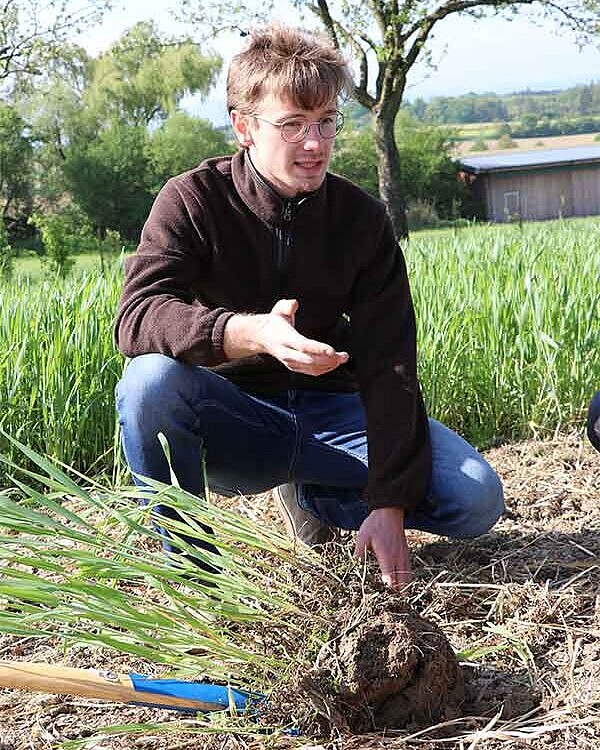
(578, 101)
(523, 114)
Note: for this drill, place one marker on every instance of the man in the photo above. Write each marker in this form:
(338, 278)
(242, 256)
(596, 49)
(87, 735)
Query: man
(593, 422)
(269, 316)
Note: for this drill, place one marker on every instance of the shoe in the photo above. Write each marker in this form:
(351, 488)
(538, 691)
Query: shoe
(299, 524)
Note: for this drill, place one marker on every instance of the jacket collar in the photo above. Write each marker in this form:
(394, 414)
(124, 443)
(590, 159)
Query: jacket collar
(264, 201)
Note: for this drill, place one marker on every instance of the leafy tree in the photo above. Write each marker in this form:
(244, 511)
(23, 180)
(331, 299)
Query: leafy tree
(57, 241)
(15, 165)
(32, 33)
(108, 178)
(505, 141)
(92, 121)
(392, 36)
(180, 143)
(57, 118)
(144, 76)
(429, 174)
(479, 145)
(7, 254)
(529, 122)
(354, 157)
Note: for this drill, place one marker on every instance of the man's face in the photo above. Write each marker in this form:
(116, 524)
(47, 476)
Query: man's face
(292, 168)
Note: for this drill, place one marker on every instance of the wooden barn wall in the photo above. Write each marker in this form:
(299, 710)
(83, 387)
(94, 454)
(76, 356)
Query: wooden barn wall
(543, 194)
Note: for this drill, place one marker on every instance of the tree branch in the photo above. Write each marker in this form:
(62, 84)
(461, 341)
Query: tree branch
(322, 11)
(379, 11)
(578, 23)
(423, 28)
(335, 29)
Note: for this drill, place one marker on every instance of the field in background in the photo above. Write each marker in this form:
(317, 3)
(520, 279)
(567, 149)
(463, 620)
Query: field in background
(30, 265)
(486, 132)
(508, 337)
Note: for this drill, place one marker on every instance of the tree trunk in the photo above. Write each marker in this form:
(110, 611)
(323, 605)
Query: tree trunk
(388, 171)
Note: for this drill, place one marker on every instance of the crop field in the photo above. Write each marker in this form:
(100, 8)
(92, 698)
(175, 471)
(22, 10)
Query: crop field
(504, 650)
(508, 337)
(467, 137)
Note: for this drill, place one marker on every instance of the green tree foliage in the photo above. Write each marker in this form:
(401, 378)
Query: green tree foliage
(459, 109)
(179, 144)
(532, 113)
(479, 144)
(57, 240)
(57, 118)
(429, 173)
(109, 179)
(7, 254)
(354, 157)
(505, 141)
(33, 33)
(15, 165)
(136, 84)
(144, 76)
(103, 131)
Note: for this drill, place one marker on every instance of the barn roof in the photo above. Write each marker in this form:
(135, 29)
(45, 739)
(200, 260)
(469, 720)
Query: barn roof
(541, 159)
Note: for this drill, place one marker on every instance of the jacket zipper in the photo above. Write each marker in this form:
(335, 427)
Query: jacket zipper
(283, 242)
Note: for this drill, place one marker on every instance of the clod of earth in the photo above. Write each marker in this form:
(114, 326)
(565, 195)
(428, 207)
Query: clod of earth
(387, 668)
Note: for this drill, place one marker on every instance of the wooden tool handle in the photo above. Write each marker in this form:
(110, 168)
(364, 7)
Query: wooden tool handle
(90, 683)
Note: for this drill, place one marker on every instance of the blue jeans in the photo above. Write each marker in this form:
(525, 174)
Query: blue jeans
(315, 439)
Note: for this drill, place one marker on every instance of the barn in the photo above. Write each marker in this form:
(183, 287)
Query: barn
(545, 184)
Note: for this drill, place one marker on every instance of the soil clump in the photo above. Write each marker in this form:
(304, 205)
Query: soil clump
(387, 669)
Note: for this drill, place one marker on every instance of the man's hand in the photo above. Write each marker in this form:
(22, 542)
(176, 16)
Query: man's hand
(383, 533)
(275, 334)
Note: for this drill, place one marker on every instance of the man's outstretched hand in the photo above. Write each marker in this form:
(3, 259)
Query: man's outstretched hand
(382, 532)
(274, 333)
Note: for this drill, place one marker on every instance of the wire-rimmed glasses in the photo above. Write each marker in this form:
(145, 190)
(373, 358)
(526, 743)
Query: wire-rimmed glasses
(295, 129)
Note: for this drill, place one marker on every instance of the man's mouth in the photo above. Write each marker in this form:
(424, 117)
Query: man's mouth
(313, 164)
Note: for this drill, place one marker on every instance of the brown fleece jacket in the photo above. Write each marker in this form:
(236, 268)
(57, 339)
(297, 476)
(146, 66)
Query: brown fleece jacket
(219, 240)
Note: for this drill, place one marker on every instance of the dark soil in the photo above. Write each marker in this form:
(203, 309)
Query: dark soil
(388, 669)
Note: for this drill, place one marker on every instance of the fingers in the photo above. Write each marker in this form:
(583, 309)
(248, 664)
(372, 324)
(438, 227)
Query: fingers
(308, 356)
(382, 532)
(394, 577)
(360, 546)
(397, 578)
(296, 352)
(286, 308)
(308, 364)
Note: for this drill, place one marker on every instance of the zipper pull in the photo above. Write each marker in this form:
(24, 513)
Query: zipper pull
(287, 211)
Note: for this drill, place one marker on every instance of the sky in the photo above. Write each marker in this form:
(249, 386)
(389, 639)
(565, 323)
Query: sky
(487, 55)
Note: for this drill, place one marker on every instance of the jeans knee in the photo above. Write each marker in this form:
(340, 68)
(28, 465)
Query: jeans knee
(488, 504)
(150, 383)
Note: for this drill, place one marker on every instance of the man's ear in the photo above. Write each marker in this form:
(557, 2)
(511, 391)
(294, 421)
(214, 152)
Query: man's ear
(241, 128)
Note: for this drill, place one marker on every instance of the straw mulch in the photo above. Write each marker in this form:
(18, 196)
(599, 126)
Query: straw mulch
(529, 593)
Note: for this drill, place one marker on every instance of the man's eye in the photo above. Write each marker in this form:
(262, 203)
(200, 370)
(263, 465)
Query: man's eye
(329, 120)
(294, 124)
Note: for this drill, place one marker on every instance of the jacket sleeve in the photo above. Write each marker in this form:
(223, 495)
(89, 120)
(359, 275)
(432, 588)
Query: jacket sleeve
(158, 311)
(384, 349)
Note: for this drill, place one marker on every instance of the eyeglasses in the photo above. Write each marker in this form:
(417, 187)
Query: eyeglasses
(295, 129)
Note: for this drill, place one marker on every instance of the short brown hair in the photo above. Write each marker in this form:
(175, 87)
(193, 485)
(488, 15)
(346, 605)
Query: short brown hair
(303, 66)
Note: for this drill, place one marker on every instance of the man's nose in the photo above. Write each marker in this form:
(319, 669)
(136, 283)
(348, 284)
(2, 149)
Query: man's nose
(313, 136)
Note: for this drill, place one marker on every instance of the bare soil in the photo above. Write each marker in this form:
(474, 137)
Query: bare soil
(520, 605)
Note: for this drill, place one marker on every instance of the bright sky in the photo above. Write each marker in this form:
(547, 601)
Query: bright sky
(471, 55)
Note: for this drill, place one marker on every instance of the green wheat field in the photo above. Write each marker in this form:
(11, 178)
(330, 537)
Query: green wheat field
(508, 340)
